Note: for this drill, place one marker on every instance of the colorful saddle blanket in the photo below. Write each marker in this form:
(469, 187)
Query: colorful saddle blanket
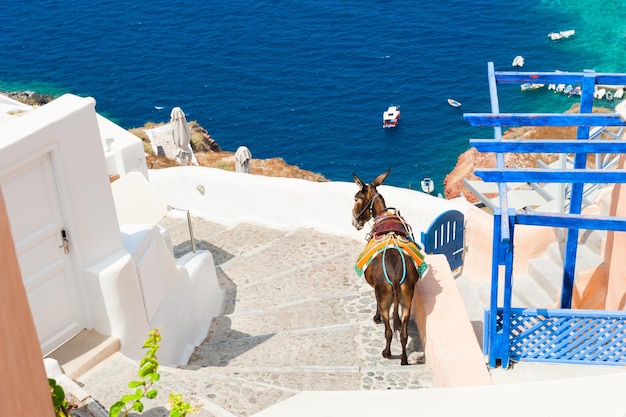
(390, 230)
(376, 246)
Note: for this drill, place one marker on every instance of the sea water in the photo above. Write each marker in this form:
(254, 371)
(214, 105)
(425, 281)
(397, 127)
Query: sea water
(308, 81)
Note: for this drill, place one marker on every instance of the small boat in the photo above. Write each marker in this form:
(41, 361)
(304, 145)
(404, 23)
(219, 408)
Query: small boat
(564, 34)
(518, 61)
(453, 102)
(391, 116)
(609, 95)
(527, 86)
(428, 186)
(599, 93)
(619, 93)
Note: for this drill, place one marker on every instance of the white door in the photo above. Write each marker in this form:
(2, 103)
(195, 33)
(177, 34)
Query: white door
(36, 220)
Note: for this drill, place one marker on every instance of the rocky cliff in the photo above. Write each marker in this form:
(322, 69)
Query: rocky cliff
(209, 154)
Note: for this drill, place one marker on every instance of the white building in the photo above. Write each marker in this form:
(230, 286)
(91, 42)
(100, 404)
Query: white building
(83, 266)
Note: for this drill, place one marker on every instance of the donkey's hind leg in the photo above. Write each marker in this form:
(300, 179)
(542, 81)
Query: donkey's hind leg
(406, 299)
(376, 318)
(384, 301)
(404, 338)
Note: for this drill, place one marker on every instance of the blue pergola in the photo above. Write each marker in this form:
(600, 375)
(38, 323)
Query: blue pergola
(549, 335)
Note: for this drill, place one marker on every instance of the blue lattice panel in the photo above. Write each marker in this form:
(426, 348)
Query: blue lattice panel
(567, 336)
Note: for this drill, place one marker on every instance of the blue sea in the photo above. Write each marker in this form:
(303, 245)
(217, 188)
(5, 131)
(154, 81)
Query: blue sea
(308, 80)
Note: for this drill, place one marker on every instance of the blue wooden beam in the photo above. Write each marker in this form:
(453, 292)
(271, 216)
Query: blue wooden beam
(544, 119)
(513, 77)
(581, 176)
(573, 221)
(574, 78)
(549, 145)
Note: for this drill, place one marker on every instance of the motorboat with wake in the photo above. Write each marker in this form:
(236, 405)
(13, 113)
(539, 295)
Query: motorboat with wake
(391, 116)
(564, 34)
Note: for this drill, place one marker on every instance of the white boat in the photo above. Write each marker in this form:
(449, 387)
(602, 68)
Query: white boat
(599, 94)
(518, 61)
(454, 103)
(527, 86)
(619, 93)
(428, 186)
(564, 34)
(391, 116)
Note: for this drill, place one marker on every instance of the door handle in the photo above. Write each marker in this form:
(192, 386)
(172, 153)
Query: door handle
(65, 242)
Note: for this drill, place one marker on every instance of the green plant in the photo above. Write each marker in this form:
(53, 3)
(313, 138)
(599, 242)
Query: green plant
(59, 401)
(180, 408)
(148, 375)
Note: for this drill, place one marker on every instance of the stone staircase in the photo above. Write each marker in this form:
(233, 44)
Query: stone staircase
(296, 318)
(540, 287)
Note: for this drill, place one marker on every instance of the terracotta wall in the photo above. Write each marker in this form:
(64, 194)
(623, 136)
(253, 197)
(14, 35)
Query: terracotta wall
(24, 390)
(604, 287)
(615, 250)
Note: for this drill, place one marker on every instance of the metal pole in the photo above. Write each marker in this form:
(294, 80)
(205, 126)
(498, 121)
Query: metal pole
(193, 241)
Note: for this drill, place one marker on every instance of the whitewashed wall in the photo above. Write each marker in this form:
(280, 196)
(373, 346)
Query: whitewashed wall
(229, 197)
(106, 269)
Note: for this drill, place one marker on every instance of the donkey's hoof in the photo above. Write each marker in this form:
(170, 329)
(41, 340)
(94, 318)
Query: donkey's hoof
(377, 319)
(387, 353)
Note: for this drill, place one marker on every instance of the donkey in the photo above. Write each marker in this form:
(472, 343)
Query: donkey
(390, 260)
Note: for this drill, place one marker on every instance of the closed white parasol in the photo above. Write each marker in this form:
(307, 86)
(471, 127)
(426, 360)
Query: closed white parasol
(182, 135)
(242, 159)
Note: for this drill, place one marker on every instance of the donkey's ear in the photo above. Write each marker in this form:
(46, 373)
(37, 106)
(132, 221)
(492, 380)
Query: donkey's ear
(379, 179)
(357, 180)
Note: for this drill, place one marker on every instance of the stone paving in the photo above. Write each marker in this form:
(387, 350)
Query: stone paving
(296, 318)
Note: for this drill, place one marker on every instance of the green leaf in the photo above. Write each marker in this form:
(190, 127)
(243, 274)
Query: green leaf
(146, 370)
(138, 406)
(151, 394)
(155, 377)
(116, 409)
(58, 396)
(135, 384)
(130, 397)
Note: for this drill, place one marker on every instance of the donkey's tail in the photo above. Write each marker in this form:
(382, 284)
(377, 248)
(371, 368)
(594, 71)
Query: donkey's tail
(396, 305)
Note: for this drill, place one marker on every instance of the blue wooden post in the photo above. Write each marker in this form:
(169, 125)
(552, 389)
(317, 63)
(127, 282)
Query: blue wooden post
(493, 334)
(507, 248)
(576, 199)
